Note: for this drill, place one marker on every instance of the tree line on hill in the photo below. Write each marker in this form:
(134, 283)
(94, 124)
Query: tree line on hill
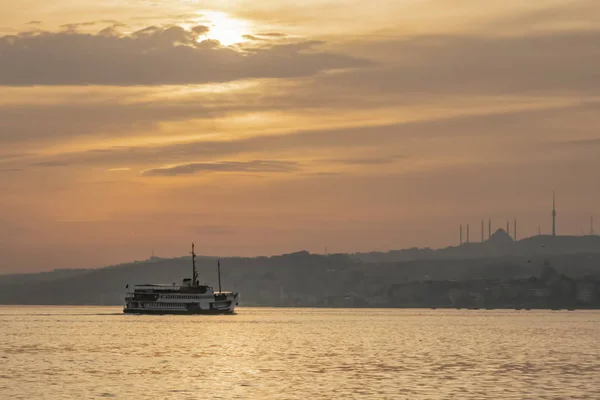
(297, 279)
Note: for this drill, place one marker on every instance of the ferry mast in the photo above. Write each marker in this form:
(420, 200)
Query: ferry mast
(194, 273)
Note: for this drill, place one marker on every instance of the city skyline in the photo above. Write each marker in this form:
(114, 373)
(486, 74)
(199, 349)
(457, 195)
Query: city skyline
(513, 235)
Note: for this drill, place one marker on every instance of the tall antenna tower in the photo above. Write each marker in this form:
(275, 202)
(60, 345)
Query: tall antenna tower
(515, 230)
(461, 242)
(490, 228)
(553, 213)
(508, 228)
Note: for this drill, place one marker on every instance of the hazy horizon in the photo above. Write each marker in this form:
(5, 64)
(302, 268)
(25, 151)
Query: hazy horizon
(262, 128)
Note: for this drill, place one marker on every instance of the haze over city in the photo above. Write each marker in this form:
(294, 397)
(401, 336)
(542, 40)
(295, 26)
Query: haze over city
(259, 128)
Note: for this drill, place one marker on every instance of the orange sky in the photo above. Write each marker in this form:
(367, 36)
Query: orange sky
(257, 128)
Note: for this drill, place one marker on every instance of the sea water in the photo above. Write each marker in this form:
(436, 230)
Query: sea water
(295, 353)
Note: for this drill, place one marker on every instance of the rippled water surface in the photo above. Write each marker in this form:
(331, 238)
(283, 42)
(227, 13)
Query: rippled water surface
(265, 353)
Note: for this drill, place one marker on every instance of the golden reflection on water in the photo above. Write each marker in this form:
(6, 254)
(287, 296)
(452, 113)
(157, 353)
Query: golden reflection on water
(262, 353)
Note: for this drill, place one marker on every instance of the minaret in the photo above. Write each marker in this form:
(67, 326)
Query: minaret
(482, 229)
(461, 242)
(553, 214)
(467, 233)
(515, 231)
(508, 228)
(490, 228)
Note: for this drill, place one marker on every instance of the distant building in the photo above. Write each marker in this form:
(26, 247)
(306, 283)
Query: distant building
(585, 292)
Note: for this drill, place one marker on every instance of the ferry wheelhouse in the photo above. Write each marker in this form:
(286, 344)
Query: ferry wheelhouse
(188, 298)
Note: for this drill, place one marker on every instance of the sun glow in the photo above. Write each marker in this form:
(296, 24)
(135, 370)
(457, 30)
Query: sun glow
(224, 28)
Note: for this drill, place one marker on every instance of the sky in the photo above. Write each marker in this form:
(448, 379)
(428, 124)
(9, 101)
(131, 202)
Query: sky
(267, 127)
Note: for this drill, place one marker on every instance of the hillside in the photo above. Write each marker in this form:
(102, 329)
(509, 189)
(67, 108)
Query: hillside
(500, 244)
(293, 279)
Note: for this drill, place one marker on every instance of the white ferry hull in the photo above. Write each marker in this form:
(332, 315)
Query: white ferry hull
(219, 304)
(198, 311)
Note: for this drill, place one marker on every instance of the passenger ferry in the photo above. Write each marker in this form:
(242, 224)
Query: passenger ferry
(189, 298)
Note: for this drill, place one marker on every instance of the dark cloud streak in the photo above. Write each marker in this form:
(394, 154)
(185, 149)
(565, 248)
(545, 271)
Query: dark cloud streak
(384, 137)
(559, 62)
(223, 166)
(368, 160)
(151, 56)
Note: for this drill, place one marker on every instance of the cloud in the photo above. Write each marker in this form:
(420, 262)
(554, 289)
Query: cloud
(79, 115)
(55, 163)
(404, 137)
(223, 166)
(75, 26)
(418, 70)
(118, 169)
(574, 14)
(265, 36)
(113, 24)
(152, 56)
(545, 63)
(252, 37)
(34, 23)
(272, 34)
(368, 160)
